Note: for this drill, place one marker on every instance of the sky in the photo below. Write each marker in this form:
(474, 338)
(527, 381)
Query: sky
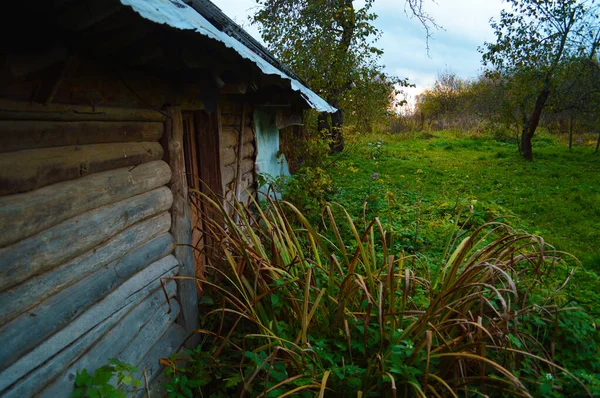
(465, 27)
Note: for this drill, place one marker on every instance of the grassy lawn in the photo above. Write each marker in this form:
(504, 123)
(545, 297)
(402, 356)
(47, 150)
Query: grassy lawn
(422, 179)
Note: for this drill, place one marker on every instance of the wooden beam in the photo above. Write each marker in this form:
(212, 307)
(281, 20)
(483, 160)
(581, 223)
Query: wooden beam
(77, 235)
(130, 292)
(18, 110)
(18, 135)
(15, 301)
(102, 342)
(181, 226)
(52, 82)
(23, 171)
(25, 214)
(240, 157)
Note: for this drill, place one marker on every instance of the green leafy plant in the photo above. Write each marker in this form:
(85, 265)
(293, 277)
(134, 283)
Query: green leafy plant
(102, 383)
(179, 386)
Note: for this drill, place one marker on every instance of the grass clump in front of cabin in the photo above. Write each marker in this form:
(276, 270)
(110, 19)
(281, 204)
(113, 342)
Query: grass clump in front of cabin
(420, 279)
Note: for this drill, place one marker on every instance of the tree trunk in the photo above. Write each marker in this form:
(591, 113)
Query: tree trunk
(571, 131)
(598, 143)
(323, 122)
(337, 136)
(526, 148)
(533, 122)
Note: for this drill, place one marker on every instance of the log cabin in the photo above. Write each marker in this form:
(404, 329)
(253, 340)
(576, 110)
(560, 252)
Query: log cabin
(110, 112)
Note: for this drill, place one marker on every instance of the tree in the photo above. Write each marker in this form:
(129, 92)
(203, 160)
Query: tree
(331, 45)
(534, 39)
(577, 95)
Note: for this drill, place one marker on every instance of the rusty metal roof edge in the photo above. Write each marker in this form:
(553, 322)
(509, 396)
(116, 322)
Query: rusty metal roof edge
(177, 14)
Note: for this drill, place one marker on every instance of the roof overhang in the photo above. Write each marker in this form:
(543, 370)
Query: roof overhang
(179, 15)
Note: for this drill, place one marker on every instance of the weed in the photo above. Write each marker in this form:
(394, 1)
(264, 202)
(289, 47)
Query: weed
(101, 383)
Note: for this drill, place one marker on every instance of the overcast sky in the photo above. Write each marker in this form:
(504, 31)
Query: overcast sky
(465, 23)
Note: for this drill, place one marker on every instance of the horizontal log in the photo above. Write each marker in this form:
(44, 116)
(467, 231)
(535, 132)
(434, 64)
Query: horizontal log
(30, 169)
(229, 155)
(15, 301)
(247, 166)
(247, 180)
(18, 135)
(248, 135)
(150, 333)
(133, 290)
(228, 174)
(168, 344)
(107, 339)
(26, 214)
(18, 110)
(119, 339)
(70, 238)
(229, 136)
(29, 329)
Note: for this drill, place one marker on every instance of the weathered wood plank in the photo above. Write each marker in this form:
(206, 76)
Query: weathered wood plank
(30, 169)
(129, 292)
(208, 131)
(181, 228)
(15, 301)
(70, 238)
(150, 333)
(18, 135)
(17, 110)
(26, 214)
(123, 338)
(169, 343)
(29, 329)
(105, 341)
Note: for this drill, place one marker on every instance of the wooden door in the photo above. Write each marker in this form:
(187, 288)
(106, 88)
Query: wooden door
(192, 169)
(203, 172)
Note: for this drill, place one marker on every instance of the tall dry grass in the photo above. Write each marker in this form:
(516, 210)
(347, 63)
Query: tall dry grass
(329, 309)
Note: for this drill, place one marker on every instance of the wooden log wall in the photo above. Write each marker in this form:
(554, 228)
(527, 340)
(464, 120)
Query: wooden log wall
(231, 122)
(87, 237)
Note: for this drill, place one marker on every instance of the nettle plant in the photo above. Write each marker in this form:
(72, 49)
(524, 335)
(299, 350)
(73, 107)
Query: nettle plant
(114, 380)
(297, 309)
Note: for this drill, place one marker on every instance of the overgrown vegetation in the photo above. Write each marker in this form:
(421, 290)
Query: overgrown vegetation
(416, 302)
(422, 177)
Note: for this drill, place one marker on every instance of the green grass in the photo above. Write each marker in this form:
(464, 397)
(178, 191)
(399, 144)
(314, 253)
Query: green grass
(423, 176)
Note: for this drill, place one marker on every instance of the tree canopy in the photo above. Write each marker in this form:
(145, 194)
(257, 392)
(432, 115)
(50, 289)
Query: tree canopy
(331, 44)
(535, 41)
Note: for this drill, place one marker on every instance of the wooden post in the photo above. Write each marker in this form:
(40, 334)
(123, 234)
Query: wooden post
(181, 226)
(240, 156)
(571, 131)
